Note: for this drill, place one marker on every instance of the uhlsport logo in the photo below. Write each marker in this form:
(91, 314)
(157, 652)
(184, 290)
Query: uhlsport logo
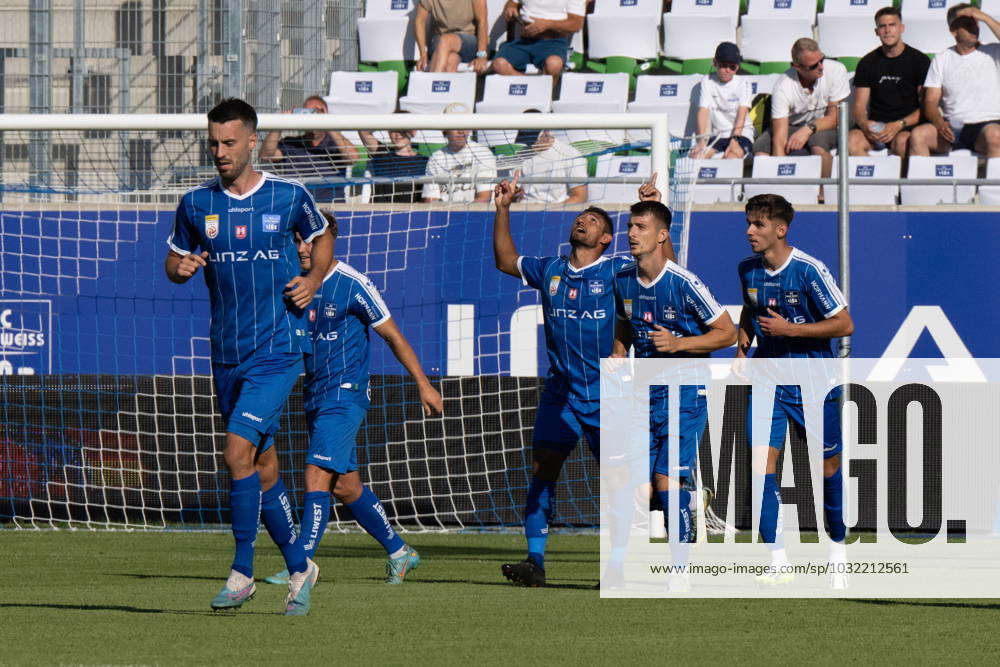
(25, 336)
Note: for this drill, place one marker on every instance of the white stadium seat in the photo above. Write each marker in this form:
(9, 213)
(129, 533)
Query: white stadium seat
(672, 95)
(991, 7)
(719, 8)
(989, 195)
(610, 166)
(771, 166)
(592, 93)
(865, 8)
(386, 31)
(627, 28)
(762, 83)
(695, 37)
(767, 39)
(512, 94)
(871, 167)
(943, 167)
(711, 168)
(362, 93)
(431, 92)
(927, 24)
(843, 35)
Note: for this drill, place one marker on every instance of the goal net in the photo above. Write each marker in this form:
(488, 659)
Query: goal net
(109, 419)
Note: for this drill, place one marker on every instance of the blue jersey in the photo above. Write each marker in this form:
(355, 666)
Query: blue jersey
(339, 318)
(252, 256)
(676, 300)
(801, 291)
(578, 308)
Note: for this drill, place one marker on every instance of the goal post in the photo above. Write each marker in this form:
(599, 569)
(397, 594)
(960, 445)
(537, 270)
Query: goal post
(108, 417)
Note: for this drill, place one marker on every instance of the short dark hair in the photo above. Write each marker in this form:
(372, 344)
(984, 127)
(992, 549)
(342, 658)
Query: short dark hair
(332, 221)
(233, 108)
(609, 225)
(657, 210)
(318, 98)
(885, 11)
(772, 206)
(954, 10)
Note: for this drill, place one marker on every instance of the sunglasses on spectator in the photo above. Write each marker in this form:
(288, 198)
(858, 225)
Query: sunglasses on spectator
(812, 67)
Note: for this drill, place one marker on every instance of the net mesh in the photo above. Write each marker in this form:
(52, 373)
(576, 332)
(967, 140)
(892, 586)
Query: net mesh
(108, 416)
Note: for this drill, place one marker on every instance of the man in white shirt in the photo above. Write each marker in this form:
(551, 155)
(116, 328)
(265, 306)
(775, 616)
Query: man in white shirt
(804, 106)
(548, 156)
(461, 158)
(545, 37)
(723, 104)
(962, 91)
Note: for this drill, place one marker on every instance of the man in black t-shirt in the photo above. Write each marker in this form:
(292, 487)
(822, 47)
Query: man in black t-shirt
(888, 89)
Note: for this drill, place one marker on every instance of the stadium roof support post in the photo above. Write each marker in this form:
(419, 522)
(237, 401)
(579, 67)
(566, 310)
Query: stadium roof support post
(843, 211)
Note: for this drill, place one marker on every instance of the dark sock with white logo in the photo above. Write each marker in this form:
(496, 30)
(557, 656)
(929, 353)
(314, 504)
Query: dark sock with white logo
(315, 516)
(371, 516)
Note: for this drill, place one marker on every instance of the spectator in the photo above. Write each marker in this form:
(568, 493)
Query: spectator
(804, 106)
(317, 154)
(400, 160)
(888, 84)
(965, 81)
(461, 158)
(460, 34)
(723, 105)
(548, 156)
(545, 37)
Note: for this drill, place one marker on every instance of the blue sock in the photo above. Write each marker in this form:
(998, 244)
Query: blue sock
(537, 512)
(276, 511)
(315, 516)
(244, 503)
(370, 515)
(770, 508)
(833, 505)
(680, 551)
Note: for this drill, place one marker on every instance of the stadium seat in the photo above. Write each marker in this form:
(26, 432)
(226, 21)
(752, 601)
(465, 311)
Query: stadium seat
(991, 7)
(693, 28)
(512, 94)
(669, 94)
(770, 27)
(593, 93)
(771, 166)
(873, 167)
(989, 195)
(362, 93)
(927, 24)
(762, 84)
(711, 168)
(610, 166)
(385, 35)
(431, 92)
(846, 29)
(942, 167)
(622, 32)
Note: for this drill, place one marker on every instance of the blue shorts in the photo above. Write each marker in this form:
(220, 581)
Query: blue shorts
(693, 417)
(720, 144)
(788, 404)
(561, 421)
(466, 52)
(522, 51)
(333, 435)
(252, 395)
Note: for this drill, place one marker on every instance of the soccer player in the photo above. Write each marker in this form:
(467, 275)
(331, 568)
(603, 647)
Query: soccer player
(244, 222)
(665, 311)
(336, 400)
(578, 311)
(792, 308)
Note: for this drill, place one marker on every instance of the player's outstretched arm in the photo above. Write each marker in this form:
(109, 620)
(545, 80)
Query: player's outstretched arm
(403, 351)
(301, 289)
(504, 251)
(835, 326)
(180, 268)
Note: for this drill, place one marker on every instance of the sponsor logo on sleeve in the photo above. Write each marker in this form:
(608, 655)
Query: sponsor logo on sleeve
(752, 295)
(212, 225)
(271, 222)
(627, 304)
(554, 285)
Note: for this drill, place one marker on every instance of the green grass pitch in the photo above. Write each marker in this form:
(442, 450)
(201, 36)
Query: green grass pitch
(142, 598)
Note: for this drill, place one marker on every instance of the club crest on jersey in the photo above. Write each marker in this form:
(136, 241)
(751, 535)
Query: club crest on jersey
(330, 310)
(240, 231)
(792, 298)
(647, 317)
(312, 315)
(212, 226)
(572, 292)
(669, 313)
(752, 295)
(595, 287)
(627, 304)
(271, 222)
(772, 302)
(554, 285)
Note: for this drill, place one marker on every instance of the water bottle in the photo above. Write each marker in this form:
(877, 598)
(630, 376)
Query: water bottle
(876, 127)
